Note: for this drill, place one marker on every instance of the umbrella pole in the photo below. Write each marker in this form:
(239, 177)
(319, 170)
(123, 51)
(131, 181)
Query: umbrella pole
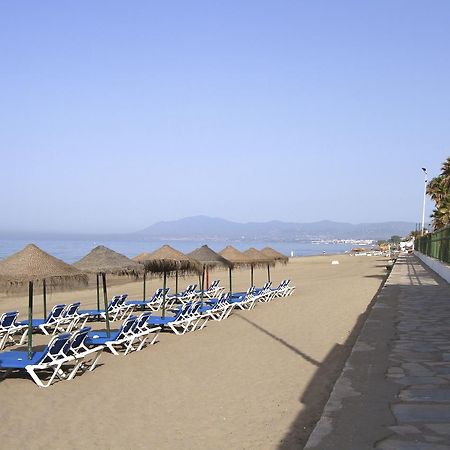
(44, 297)
(251, 276)
(203, 285)
(176, 282)
(268, 272)
(145, 278)
(105, 301)
(30, 319)
(98, 292)
(207, 278)
(164, 295)
(231, 289)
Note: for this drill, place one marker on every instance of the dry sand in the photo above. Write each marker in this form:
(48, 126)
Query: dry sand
(257, 380)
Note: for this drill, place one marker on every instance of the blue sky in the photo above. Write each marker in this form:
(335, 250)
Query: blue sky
(114, 115)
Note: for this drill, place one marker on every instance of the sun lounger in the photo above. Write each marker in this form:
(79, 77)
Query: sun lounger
(85, 358)
(48, 325)
(42, 364)
(143, 331)
(9, 328)
(154, 302)
(284, 289)
(71, 319)
(117, 310)
(184, 297)
(117, 340)
(185, 319)
(220, 308)
(214, 290)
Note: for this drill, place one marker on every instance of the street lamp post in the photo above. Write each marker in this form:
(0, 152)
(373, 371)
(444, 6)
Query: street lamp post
(424, 198)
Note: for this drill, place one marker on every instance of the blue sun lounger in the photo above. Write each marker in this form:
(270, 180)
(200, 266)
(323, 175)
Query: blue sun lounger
(45, 325)
(9, 328)
(118, 339)
(154, 302)
(47, 361)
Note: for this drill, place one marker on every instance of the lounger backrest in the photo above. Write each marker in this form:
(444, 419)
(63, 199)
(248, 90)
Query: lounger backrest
(123, 298)
(77, 340)
(114, 303)
(72, 309)
(55, 313)
(142, 321)
(8, 319)
(195, 308)
(127, 326)
(57, 348)
(184, 310)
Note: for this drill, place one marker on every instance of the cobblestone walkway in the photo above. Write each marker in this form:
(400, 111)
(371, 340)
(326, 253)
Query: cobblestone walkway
(394, 392)
(419, 361)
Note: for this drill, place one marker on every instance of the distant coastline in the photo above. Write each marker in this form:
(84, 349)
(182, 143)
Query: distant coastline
(71, 250)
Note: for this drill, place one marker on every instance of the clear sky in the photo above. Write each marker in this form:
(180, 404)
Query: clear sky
(114, 114)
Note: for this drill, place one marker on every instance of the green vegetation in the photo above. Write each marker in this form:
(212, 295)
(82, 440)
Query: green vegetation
(439, 191)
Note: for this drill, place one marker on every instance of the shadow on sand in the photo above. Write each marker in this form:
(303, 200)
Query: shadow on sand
(319, 389)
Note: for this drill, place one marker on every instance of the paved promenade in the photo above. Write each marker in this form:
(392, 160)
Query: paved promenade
(394, 391)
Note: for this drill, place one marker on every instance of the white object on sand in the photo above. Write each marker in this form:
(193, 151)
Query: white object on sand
(334, 262)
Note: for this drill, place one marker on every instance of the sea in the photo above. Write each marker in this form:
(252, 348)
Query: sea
(71, 250)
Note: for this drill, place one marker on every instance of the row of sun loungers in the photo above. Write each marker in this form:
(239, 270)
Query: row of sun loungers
(78, 348)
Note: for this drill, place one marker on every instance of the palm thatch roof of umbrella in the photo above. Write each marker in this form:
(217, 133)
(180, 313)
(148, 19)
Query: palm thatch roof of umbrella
(209, 258)
(257, 258)
(276, 256)
(144, 256)
(32, 264)
(102, 259)
(167, 259)
(235, 256)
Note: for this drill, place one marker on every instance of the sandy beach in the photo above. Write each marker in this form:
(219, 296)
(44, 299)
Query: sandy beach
(257, 380)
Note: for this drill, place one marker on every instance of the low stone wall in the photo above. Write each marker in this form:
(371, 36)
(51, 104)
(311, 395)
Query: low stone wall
(441, 268)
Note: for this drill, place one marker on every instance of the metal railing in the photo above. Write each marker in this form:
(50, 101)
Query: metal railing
(436, 245)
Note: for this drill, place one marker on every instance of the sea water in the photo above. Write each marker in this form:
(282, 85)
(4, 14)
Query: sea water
(71, 250)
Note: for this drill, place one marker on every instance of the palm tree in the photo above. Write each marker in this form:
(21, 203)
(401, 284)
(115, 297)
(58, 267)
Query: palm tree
(439, 191)
(445, 173)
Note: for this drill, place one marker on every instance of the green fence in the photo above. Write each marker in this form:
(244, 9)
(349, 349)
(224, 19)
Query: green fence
(435, 244)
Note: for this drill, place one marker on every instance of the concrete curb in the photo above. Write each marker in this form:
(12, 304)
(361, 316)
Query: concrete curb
(362, 392)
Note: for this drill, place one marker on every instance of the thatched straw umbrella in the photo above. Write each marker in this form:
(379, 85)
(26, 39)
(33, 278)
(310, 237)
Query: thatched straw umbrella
(237, 258)
(276, 256)
(258, 259)
(102, 260)
(32, 264)
(167, 260)
(208, 259)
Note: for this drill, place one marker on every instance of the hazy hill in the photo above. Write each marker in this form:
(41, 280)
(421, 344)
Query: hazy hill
(215, 228)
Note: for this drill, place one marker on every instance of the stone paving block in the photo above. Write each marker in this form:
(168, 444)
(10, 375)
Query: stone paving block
(426, 395)
(422, 380)
(426, 413)
(397, 444)
(405, 429)
(440, 428)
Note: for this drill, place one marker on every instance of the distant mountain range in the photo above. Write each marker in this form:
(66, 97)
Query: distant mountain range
(212, 228)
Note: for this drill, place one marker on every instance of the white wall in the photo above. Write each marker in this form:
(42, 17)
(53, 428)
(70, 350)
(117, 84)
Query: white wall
(441, 268)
